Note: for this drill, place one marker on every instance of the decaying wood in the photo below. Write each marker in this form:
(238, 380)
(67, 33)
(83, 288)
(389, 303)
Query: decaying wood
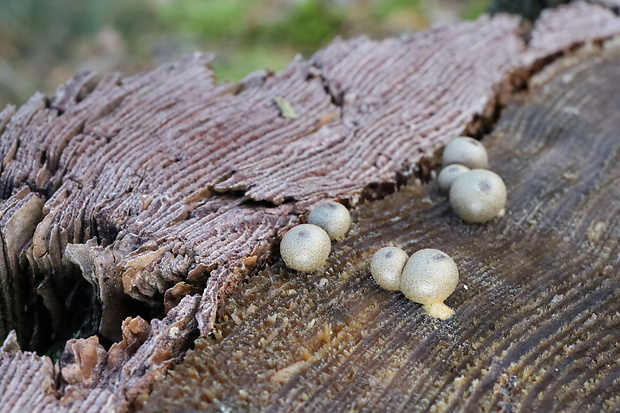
(158, 193)
(537, 324)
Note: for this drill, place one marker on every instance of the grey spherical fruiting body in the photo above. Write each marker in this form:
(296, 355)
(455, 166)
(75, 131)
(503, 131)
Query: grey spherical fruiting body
(478, 196)
(305, 247)
(429, 277)
(386, 266)
(448, 175)
(333, 217)
(467, 152)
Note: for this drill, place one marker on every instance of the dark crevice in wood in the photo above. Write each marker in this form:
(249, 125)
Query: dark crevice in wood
(52, 313)
(336, 98)
(249, 202)
(81, 312)
(525, 32)
(240, 194)
(65, 311)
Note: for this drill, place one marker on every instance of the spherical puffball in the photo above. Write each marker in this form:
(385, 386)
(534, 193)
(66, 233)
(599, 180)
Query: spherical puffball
(448, 175)
(386, 266)
(333, 217)
(478, 196)
(305, 247)
(429, 277)
(466, 151)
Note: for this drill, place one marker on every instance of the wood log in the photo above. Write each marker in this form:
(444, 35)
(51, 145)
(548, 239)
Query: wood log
(155, 195)
(536, 325)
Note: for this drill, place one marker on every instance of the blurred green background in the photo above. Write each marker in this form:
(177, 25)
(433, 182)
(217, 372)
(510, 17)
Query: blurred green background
(44, 42)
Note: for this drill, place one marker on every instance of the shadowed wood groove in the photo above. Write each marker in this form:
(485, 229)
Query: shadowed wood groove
(537, 307)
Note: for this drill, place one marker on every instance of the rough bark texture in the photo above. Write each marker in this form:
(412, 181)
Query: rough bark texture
(132, 193)
(536, 325)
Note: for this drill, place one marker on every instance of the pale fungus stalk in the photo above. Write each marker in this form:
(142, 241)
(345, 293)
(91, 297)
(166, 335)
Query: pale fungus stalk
(386, 266)
(429, 277)
(466, 151)
(333, 217)
(438, 310)
(305, 247)
(478, 196)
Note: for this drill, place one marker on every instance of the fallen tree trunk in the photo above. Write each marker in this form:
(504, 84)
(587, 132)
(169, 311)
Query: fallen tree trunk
(157, 194)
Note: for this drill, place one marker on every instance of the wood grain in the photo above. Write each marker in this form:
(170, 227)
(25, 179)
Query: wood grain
(132, 206)
(537, 324)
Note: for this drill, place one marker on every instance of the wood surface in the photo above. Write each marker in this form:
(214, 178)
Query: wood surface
(537, 323)
(152, 196)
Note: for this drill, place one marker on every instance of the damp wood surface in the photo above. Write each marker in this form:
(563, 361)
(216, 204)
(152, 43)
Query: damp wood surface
(132, 206)
(537, 323)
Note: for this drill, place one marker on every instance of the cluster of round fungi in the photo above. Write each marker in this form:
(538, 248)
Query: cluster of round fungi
(306, 247)
(428, 277)
(476, 194)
